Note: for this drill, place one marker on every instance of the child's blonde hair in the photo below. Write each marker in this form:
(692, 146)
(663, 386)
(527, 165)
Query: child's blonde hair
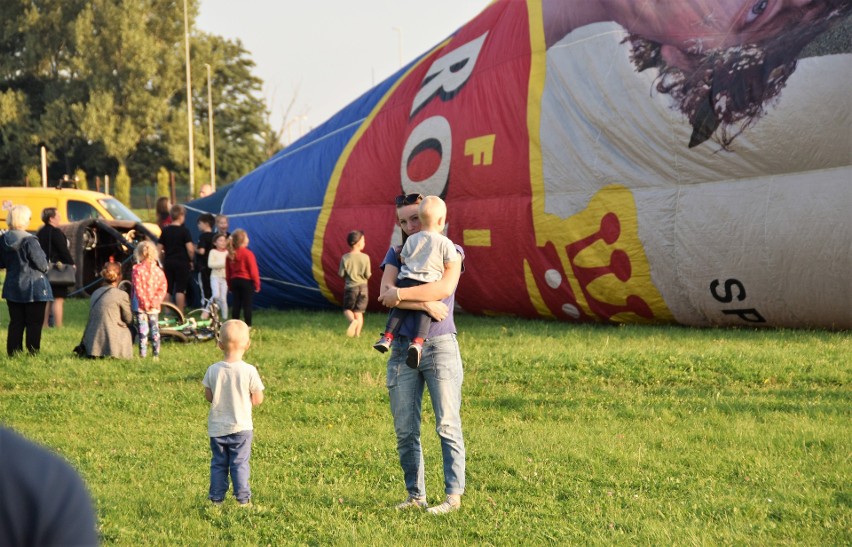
(431, 209)
(234, 331)
(146, 251)
(237, 240)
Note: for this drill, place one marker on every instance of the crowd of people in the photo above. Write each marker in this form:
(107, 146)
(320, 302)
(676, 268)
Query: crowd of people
(418, 284)
(216, 268)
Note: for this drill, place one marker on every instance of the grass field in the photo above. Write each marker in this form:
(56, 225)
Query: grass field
(575, 435)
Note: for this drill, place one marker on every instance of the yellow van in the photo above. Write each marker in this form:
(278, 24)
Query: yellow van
(73, 205)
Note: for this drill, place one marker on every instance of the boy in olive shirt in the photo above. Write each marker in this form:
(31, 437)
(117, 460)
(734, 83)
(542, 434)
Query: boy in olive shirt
(355, 270)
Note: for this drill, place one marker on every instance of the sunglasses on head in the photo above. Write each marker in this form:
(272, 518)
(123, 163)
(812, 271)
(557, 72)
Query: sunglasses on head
(409, 199)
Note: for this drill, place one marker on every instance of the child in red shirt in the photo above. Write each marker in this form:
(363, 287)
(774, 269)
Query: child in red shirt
(242, 275)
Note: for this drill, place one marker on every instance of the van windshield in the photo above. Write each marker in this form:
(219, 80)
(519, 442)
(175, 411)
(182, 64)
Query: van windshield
(118, 210)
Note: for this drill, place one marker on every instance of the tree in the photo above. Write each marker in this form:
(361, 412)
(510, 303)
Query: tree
(101, 82)
(163, 180)
(33, 176)
(131, 70)
(82, 179)
(15, 134)
(240, 115)
(122, 186)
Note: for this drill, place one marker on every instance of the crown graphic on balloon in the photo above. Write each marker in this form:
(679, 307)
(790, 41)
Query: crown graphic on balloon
(593, 265)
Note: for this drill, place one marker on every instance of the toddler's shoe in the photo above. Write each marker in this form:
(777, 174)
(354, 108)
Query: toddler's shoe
(383, 345)
(413, 357)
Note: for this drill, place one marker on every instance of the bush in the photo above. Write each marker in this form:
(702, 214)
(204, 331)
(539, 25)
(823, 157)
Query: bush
(33, 176)
(122, 185)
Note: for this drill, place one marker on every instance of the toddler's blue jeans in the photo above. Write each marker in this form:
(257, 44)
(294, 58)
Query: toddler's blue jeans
(231, 453)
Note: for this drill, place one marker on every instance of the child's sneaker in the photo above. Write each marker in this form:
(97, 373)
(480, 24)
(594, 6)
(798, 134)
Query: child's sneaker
(413, 502)
(452, 503)
(383, 345)
(413, 358)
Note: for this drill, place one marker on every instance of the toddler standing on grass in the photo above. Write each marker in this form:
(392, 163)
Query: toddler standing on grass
(232, 387)
(149, 290)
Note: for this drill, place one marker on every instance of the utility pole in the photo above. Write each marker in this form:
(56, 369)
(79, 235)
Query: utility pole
(189, 103)
(210, 123)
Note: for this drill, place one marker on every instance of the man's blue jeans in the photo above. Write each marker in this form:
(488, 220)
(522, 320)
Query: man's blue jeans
(231, 453)
(441, 371)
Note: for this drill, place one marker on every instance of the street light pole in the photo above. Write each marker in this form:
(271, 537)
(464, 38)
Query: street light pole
(210, 123)
(189, 103)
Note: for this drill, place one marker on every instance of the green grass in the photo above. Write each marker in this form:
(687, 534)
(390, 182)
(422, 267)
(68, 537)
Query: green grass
(575, 435)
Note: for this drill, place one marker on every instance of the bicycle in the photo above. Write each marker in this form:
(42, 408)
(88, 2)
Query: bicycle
(192, 326)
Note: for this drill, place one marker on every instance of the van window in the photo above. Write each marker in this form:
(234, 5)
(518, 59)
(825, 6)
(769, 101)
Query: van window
(118, 210)
(80, 210)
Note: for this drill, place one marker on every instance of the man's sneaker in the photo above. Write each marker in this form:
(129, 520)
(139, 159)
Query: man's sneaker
(452, 503)
(245, 504)
(413, 502)
(383, 345)
(216, 503)
(413, 358)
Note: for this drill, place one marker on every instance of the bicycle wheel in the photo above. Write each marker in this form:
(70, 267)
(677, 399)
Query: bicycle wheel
(172, 335)
(209, 326)
(171, 317)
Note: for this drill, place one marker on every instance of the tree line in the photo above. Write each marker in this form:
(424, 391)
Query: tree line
(102, 84)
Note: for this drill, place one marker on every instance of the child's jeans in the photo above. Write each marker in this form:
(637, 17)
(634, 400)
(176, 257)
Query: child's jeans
(148, 327)
(230, 453)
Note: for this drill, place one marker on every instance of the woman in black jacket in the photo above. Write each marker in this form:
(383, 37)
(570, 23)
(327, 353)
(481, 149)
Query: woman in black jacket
(25, 289)
(55, 246)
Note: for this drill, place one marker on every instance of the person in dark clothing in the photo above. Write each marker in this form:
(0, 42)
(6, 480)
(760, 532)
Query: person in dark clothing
(178, 251)
(26, 288)
(55, 245)
(202, 251)
(43, 500)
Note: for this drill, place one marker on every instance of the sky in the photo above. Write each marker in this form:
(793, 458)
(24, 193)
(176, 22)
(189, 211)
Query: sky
(326, 53)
